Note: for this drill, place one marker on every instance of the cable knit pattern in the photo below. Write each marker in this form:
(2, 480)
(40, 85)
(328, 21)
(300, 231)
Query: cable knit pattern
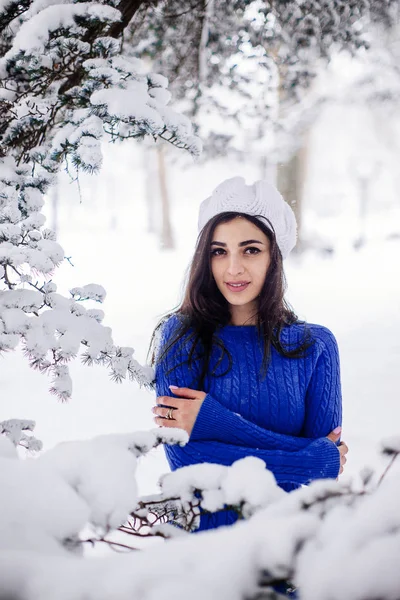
(282, 418)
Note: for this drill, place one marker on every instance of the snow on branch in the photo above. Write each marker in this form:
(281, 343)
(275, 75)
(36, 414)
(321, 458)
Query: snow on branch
(330, 540)
(53, 330)
(246, 485)
(89, 292)
(391, 445)
(15, 430)
(70, 486)
(35, 32)
(64, 86)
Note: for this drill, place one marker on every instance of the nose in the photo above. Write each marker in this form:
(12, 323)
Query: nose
(235, 265)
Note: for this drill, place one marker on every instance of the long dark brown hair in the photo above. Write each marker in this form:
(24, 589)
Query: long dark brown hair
(204, 309)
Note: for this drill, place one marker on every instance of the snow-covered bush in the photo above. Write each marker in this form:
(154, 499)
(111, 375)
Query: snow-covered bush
(332, 540)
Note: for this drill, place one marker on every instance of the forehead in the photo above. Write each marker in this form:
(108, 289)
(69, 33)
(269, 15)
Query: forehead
(238, 230)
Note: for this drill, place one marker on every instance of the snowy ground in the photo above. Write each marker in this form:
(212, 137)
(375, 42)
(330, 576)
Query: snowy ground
(356, 294)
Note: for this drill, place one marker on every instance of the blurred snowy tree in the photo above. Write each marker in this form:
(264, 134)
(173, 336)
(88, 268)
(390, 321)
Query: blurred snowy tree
(244, 70)
(239, 59)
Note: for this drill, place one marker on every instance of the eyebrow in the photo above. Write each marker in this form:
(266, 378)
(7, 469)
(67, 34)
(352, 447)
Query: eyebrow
(245, 243)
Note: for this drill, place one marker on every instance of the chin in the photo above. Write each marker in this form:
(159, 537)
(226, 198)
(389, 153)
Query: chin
(239, 301)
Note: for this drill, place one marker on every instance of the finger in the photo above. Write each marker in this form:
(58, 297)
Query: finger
(169, 402)
(163, 400)
(335, 434)
(186, 392)
(161, 422)
(162, 409)
(164, 412)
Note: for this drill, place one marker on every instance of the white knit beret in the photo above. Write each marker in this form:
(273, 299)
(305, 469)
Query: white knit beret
(259, 199)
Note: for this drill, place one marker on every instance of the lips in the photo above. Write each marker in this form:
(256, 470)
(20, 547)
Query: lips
(237, 286)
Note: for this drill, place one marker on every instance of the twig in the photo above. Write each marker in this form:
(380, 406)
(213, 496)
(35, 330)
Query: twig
(387, 469)
(109, 542)
(35, 286)
(6, 279)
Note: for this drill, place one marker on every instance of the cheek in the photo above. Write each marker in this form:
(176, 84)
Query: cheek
(261, 270)
(216, 270)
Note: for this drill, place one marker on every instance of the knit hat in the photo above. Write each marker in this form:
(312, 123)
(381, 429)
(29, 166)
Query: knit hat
(260, 199)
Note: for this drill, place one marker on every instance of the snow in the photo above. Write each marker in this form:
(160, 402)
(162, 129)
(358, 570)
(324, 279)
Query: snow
(223, 564)
(348, 550)
(90, 291)
(131, 102)
(27, 300)
(95, 313)
(391, 445)
(7, 448)
(246, 483)
(162, 95)
(102, 473)
(33, 199)
(34, 221)
(69, 487)
(88, 130)
(14, 428)
(10, 232)
(14, 320)
(365, 553)
(34, 33)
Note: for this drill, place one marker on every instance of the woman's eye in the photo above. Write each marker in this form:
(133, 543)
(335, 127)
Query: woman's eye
(253, 250)
(217, 252)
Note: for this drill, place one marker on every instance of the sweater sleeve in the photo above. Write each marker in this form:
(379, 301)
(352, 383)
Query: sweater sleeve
(324, 395)
(218, 423)
(215, 421)
(319, 460)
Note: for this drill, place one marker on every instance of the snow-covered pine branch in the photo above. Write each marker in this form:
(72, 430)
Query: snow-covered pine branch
(53, 329)
(15, 430)
(64, 86)
(61, 69)
(330, 539)
(47, 501)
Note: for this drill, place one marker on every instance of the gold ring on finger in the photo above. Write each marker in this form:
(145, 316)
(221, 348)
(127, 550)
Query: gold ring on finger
(169, 414)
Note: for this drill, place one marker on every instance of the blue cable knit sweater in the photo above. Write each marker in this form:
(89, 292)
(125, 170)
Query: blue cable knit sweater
(282, 418)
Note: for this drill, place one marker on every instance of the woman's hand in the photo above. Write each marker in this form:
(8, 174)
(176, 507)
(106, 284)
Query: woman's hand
(343, 449)
(179, 412)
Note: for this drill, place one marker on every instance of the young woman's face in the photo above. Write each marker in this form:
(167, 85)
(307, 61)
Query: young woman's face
(240, 258)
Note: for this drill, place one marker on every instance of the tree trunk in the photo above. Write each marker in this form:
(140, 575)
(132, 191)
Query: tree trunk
(268, 170)
(54, 205)
(167, 240)
(151, 192)
(291, 177)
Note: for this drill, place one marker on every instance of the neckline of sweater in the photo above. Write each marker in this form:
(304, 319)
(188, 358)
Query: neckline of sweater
(238, 327)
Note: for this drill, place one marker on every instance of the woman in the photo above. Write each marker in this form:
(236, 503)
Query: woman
(235, 367)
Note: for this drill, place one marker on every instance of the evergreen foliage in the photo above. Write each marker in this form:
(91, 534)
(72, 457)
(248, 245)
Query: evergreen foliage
(251, 62)
(65, 84)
